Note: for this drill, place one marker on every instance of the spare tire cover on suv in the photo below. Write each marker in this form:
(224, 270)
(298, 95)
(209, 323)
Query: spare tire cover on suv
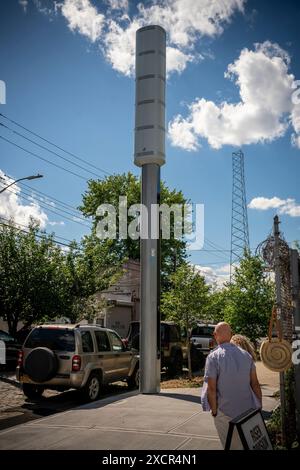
(41, 364)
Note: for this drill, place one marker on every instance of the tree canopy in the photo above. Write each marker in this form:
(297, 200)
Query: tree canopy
(249, 298)
(108, 191)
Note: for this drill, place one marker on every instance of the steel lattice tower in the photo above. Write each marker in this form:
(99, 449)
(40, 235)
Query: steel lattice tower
(239, 216)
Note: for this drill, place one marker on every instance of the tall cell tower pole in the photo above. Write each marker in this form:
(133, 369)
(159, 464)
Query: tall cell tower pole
(149, 154)
(239, 216)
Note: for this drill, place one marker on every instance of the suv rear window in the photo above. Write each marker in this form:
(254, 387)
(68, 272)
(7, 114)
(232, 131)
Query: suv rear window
(102, 341)
(87, 342)
(206, 331)
(55, 339)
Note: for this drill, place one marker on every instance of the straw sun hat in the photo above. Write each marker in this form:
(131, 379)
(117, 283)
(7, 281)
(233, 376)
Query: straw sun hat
(276, 354)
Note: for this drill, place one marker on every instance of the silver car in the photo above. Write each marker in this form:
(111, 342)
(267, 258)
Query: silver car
(61, 357)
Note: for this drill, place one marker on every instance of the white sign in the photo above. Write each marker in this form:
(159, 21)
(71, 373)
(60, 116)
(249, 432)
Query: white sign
(252, 431)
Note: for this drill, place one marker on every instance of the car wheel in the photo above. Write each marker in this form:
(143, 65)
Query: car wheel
(134, 380)
(33, 392)
(92, 388)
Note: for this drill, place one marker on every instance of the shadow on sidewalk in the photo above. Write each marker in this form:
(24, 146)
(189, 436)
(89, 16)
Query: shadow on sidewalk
(179, 396)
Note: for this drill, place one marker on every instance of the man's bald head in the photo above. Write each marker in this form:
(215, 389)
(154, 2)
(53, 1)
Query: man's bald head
(222, 332)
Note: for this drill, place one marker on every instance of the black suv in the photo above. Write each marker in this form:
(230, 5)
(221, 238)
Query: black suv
(173, 347)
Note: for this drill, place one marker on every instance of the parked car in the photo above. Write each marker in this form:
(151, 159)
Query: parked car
(202, 338)
(173, 347)
(12, 347)
(85, 357)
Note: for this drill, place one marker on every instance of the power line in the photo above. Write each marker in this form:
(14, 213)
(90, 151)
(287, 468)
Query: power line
(42, 158)
(55, 145)
(48, 150)
(214, 244)
(57, 202)
(40, 201)
(46, 233)
(217, 254)
(43, 205)
(37, 235)
(50, 197)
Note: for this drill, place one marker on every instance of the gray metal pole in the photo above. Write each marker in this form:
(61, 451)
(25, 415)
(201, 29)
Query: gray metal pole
(276, 233)
(149, 347)
(295, 268)
(149, 153)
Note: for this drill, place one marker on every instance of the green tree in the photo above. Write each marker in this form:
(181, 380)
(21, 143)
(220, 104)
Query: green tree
(250, 298)
(39, 282)
(108, 191)
(88, 268)
(217, 303)
(32, 286)
(186, 301)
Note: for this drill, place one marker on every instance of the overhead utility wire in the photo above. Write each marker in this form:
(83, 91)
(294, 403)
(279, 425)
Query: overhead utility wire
(42, 158)
(65, 204)
(66, 211)
(42, 231)
(38, 194)
(43, 205)
(37, 235)
(55, 145)
(48, 150)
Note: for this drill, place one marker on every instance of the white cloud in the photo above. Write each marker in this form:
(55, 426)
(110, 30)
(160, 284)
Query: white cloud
(184, 20)
(284, 206)
(182, 135)
(118, 4)
(24, 5)
(215, 276)
(83, 17)
(177, 60)
(187, 20)
(263, 113)
(11, 207)
(119, 46)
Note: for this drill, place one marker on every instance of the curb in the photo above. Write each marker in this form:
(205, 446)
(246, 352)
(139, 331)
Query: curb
(10, 381)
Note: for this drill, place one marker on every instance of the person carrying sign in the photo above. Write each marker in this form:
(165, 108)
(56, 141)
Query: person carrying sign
(231, 382)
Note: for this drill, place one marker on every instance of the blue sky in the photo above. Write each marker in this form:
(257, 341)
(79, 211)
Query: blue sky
(69, 77)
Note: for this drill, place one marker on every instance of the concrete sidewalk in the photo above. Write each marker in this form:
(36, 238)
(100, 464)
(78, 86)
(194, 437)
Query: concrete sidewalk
(171, 420)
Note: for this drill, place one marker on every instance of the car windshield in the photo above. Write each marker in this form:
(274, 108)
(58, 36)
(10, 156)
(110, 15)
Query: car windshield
(206, 331)
(55, 339)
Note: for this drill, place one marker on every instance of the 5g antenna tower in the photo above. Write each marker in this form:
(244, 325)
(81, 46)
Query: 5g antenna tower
(239, 216)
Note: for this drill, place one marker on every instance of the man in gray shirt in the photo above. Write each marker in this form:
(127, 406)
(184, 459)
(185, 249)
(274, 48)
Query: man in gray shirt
(232, 384)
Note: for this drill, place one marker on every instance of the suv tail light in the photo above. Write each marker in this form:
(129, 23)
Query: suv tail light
(211, 343)
(76, 363)
(20, 359)
(164, 345)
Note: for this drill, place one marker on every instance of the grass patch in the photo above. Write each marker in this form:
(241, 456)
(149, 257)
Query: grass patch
(181, 382)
